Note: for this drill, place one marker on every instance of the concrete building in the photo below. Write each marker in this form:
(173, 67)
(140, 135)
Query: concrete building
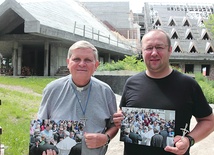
(35, 35)
(118, 17)
(114, 14)
(193, 45)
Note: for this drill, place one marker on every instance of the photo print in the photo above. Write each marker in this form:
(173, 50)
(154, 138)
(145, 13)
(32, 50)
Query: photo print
(150, 127)
(60, 136)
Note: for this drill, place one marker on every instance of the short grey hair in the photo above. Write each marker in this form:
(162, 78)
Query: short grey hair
(82, 44)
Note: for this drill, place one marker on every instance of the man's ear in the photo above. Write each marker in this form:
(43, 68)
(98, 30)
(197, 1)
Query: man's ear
(97, 64)
(170, 50)
(67, 61)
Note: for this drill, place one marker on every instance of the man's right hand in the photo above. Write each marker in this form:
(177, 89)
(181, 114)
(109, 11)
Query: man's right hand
(117, 118)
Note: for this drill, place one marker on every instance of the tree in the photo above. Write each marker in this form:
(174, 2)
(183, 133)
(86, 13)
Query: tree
(209, 24)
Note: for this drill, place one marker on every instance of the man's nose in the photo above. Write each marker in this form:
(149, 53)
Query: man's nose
(154, 50)
(82, 62)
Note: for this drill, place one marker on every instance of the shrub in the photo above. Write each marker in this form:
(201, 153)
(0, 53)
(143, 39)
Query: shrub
(131, 63)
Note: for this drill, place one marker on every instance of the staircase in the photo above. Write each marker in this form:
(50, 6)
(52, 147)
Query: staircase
(62, 71)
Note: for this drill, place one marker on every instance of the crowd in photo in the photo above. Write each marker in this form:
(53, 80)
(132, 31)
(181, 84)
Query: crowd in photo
(146, 127)
(61, 136)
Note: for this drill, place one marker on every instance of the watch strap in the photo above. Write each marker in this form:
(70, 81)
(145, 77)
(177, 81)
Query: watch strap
(108, 139)
(191, 140)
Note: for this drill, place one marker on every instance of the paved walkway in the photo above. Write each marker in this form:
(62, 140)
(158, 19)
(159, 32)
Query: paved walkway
(204, 147)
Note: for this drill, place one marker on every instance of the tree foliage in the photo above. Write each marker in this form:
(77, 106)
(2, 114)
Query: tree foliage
(131, 63)
(209, 24)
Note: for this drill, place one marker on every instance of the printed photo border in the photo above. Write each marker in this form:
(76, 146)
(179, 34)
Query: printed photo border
(150, 127)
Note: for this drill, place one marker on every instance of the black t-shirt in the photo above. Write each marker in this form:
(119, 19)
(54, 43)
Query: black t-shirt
(177, 92)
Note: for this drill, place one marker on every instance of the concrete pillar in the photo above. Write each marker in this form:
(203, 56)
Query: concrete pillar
(15, 58)
(36, 54)
(19, 63)
(46, 59)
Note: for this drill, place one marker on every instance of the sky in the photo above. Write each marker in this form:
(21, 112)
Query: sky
(136, 5)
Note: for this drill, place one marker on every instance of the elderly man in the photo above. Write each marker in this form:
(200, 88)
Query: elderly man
(81, 97)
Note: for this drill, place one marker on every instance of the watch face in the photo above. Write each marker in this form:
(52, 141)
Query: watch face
(192, 142)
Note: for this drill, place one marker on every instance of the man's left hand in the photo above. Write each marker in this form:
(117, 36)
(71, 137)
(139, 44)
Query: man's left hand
(181, 146)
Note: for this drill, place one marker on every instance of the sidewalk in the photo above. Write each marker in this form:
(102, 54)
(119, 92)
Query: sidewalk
(204, 147)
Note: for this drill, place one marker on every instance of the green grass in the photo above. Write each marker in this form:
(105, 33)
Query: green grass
(37, 84)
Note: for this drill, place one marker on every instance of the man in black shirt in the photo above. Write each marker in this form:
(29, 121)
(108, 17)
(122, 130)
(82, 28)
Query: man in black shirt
(161, 87)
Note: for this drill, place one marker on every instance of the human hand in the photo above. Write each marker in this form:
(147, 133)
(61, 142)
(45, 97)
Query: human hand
(49, 152)
(95, 140)
(117, 118)
(181, 145)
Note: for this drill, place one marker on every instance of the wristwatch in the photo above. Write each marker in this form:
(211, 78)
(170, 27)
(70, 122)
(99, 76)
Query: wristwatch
(108, 139)
(191, 140)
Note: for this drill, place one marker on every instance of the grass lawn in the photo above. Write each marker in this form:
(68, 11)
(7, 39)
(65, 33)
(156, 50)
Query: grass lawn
(17, 109)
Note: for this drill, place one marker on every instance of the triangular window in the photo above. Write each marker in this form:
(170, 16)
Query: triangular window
(209, 48)
(172, 23)
(157, 23)
(206, 36)
(177, 50)
(174, 36)
(193, 50)
(189, 36)
(200, 22)
(186, 23)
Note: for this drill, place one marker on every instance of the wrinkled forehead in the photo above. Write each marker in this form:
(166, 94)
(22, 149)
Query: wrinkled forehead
(83, 53)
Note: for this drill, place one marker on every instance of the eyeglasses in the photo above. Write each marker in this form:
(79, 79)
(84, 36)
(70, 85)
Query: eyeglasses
(158, 48)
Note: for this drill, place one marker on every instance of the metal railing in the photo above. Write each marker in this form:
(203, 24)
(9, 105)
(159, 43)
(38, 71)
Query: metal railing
(94, 34)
